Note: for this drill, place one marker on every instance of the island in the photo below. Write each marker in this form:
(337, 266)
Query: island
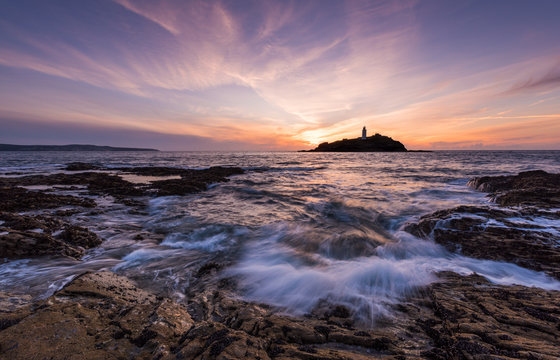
(375, 143)
(71, 147)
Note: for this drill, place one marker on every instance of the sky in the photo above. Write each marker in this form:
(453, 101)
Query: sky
(280, 75)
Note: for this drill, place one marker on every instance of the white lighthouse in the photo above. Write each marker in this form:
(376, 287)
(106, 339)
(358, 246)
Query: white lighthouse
(364, 133)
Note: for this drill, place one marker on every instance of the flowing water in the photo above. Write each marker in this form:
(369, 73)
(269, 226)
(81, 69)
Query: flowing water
(296, 230)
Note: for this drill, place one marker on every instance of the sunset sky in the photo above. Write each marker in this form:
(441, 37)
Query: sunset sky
(280, 75)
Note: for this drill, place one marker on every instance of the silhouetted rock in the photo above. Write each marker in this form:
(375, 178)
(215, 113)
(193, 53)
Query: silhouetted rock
(373, 143)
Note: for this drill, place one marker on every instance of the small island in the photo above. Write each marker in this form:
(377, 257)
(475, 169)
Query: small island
(375, 143)
(71, 147)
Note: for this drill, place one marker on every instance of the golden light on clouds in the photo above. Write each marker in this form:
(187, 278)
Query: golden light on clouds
(285, 75)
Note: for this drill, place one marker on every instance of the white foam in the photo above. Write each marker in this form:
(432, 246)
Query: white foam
(209, 238)
(274, 273)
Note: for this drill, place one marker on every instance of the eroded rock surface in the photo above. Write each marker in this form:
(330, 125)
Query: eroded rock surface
(97, 316)
(527, 234)
(475, 319)
(527, 188)
(498, 234)
(15, 198)
(30, 236)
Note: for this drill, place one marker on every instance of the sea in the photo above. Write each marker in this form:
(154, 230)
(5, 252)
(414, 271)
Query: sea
(294, 230)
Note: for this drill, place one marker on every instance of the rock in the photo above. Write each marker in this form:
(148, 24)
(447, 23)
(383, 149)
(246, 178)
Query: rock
(27, 236)
(81, 166)
(80, 236)
(194, 181)
(527, 188)
(505, 234)
(475, 319)
(489, 233)
(96, 182)
(18, 244)
(101, 316)
(370, 144)
(13, 198)
(100, 183)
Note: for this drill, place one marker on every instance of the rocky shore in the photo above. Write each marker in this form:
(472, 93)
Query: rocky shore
(107, 316)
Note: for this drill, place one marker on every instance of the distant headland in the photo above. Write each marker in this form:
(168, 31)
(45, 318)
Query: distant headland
(375, 143)
(71, 147)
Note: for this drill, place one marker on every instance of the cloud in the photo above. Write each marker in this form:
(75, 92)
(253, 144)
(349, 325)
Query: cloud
(290, 73)
(551, 79)
(15, 130)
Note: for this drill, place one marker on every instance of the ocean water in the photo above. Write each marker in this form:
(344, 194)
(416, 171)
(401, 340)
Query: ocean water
(296, 230)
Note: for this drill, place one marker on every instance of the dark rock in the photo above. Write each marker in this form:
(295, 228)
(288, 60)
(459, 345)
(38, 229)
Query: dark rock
(194, 181)
(80, 166)
(13, 198)
(96, 182)
(31, 236)
(527, 188)
(77, 235)
(370, 144)
(19, 244)
(488, 238)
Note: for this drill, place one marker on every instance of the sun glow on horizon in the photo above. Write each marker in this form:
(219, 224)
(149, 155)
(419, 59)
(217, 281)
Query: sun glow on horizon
(281, 75)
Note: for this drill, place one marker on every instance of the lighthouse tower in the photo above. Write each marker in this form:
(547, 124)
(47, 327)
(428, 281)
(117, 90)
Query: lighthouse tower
(364, 133)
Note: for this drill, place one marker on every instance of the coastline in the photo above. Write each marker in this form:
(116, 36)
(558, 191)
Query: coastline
(104, 315)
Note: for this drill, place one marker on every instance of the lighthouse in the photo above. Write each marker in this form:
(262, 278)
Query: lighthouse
(364, 133)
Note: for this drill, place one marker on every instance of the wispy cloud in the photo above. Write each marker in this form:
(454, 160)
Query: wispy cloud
(550, 79)
(289, 73)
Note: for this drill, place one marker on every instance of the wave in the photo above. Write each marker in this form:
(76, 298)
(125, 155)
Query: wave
(275, 273)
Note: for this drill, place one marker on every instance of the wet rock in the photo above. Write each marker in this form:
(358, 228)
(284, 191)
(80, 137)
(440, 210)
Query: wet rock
(527, 188)
(14, 198)
(488, 233)
(18, 244)
(26, 236)
(194, 180)
(97, 183)
(476, 319)
(101, 316)
(80, 236)
(81, 166)
(101, 183)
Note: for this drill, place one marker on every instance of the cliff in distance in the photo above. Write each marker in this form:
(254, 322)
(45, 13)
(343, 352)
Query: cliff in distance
(72, 147)
(375, 143)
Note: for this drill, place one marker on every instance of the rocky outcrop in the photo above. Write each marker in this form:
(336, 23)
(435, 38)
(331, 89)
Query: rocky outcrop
(527, 235)
(103, 183)
(475, 319)
(375, 143)
(25, 236)
(103, 315)
(96, 316)
(497, 234)
(537, 188)
(194, 180)
(15, 198)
